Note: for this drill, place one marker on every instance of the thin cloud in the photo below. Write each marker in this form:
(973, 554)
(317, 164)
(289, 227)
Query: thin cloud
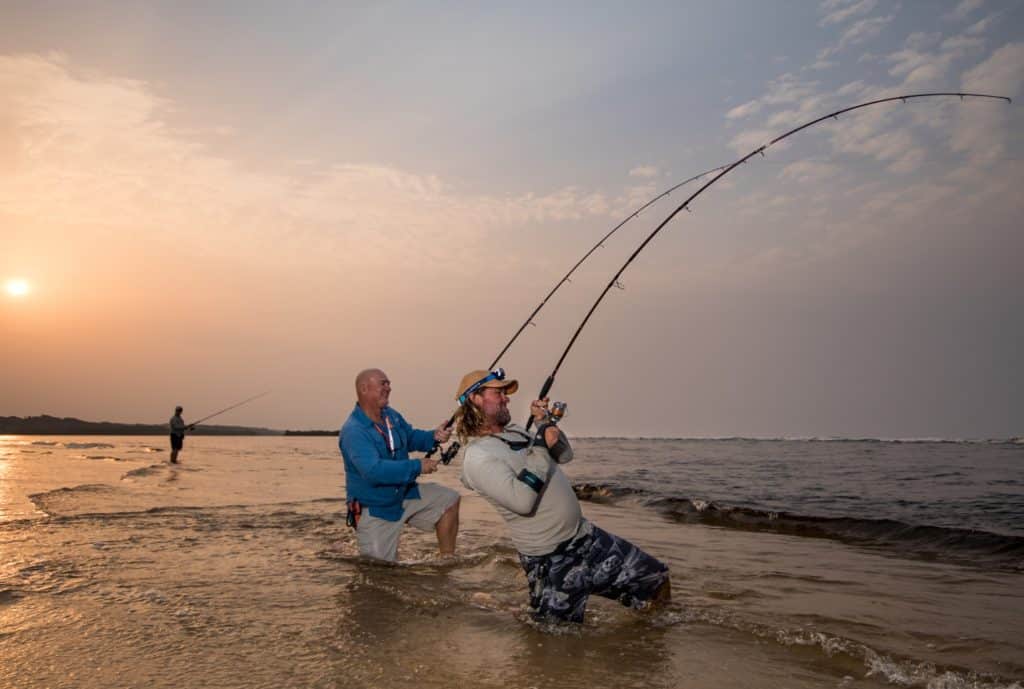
(745, 110)
(805, 171)
(981, 26)
(852, 88)
(963, 9)
(963, 44)
(860, 32)
(832, 5)
(644, 171)
(919, 65)
(863, 31)
(919, 40)
(751, 139)
(783, 119)
(781, 91)
(841, 14)
(911, 160)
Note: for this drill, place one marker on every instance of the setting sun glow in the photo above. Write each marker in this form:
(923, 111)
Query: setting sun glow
(17, 288)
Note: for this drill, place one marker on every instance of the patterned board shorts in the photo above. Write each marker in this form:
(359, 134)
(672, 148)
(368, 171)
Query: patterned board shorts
(591, 562)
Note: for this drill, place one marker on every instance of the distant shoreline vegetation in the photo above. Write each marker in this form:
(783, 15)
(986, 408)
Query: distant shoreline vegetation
(52, 425)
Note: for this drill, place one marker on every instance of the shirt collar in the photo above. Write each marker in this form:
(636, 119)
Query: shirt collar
(365, 420)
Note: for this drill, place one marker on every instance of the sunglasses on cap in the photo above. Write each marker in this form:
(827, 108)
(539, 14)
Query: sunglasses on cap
(496, 374)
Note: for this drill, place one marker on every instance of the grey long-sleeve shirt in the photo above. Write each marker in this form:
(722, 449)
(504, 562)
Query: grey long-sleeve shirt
(490, 468)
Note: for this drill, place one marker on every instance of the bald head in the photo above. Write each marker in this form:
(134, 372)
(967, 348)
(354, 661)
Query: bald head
(372, 391)
(367, 375)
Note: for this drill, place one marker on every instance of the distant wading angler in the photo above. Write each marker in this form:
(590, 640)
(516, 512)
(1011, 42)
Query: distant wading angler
(380, 477)
(178, 428)
(566, 558)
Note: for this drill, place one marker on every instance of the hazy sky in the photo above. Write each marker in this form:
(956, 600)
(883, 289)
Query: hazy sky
(210, 203)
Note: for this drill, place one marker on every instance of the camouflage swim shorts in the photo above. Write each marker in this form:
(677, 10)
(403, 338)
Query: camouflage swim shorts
(591, 562)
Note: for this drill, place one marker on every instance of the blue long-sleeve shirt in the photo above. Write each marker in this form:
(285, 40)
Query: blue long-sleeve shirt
(378, 478)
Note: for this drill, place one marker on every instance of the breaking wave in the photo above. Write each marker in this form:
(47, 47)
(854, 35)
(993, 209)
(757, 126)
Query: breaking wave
(959, 545)
(145, 471)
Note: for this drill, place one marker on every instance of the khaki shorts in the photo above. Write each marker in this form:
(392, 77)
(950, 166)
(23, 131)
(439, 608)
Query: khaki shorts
(378, 538)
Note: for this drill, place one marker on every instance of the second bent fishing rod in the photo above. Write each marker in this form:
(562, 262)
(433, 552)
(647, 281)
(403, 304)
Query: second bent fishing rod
(760, 149)
(449, 454)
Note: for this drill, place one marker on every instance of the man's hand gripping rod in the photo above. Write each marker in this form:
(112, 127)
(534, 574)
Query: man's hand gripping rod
(448, 454)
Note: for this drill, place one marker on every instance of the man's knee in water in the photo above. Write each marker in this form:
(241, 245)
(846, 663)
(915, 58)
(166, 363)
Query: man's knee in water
(447, 528)
(450, 513)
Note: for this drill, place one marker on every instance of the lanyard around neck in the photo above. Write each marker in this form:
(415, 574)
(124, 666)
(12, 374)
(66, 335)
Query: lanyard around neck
(389, 439)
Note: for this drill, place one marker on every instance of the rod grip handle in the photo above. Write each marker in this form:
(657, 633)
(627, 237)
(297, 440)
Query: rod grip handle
(437, 445)
(545, 389)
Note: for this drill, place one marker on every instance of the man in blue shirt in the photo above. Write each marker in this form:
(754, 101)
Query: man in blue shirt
(380, 477)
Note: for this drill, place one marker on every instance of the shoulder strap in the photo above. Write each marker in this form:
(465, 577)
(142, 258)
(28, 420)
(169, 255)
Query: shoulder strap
(517, 445)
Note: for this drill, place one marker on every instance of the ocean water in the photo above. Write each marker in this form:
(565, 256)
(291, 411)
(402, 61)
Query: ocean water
(794, 563)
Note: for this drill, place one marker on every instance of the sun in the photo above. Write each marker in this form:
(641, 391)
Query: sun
(17, 288)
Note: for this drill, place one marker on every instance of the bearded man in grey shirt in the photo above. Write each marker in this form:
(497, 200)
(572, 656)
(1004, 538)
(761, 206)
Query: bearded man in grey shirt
(566, 558)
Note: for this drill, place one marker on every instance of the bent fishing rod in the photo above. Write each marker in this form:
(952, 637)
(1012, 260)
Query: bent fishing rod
(233, 406)
(600, 243)
(449, 454)
(546, 388)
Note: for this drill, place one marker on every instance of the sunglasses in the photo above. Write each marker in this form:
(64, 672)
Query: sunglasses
(496, 374)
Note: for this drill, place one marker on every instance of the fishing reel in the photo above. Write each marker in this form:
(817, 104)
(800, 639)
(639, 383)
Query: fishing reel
(556, 412)
(448, 454)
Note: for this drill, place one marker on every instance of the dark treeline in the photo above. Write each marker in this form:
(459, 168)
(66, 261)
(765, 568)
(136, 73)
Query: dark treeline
(52, 425)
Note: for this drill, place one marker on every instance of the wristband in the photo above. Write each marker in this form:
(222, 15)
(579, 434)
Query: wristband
(531, 479)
